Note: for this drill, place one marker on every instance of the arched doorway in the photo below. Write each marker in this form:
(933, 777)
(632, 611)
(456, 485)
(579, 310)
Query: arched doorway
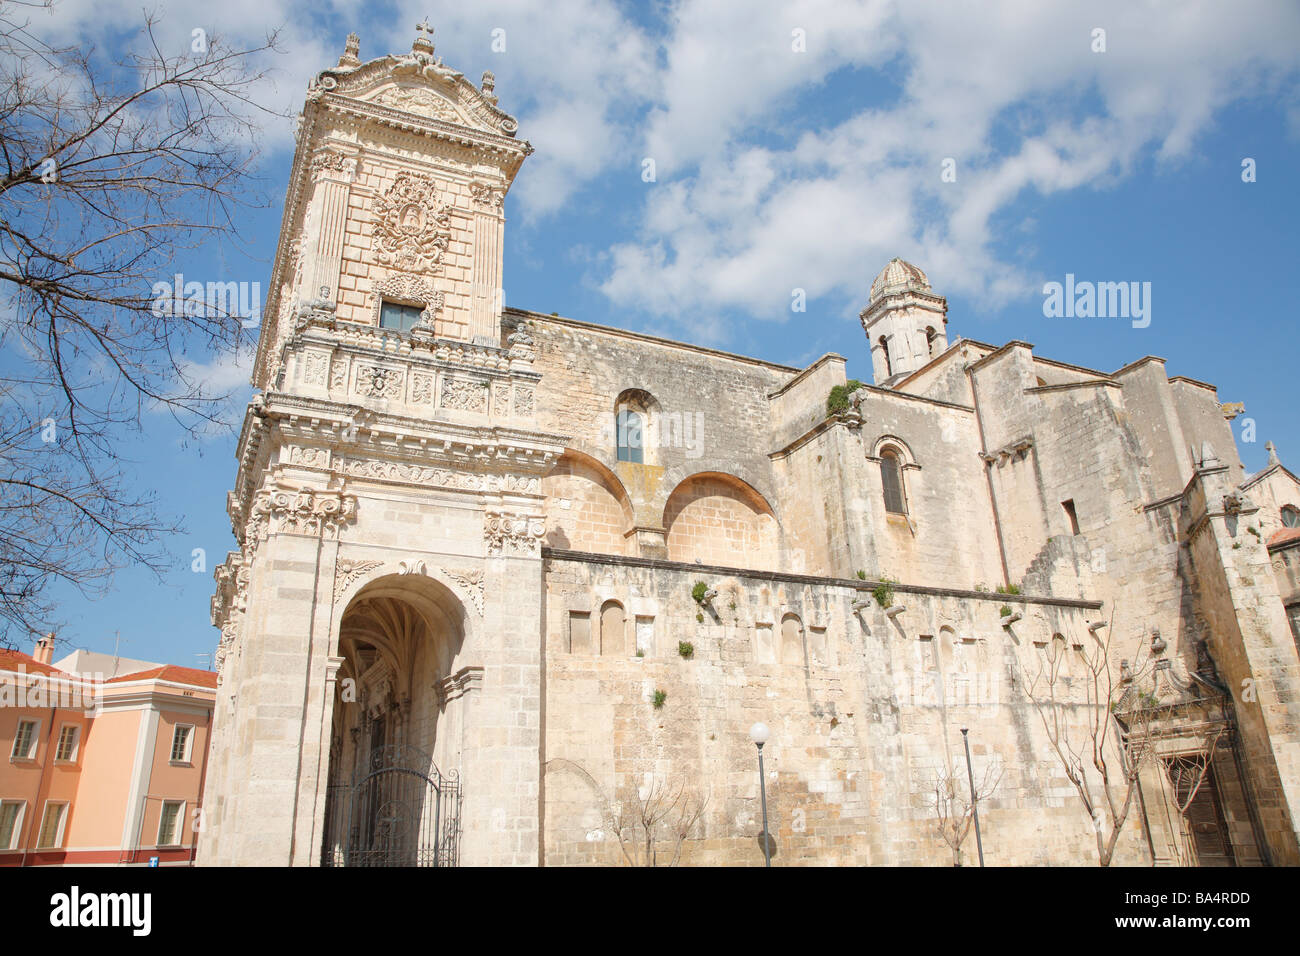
(394, 788)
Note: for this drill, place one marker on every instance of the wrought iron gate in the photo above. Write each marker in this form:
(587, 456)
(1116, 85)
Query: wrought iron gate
(399, 810)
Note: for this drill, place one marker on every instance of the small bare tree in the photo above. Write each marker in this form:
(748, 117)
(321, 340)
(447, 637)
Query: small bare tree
(953, 806)
(109, 170)
(1097, 726)
(653, 822)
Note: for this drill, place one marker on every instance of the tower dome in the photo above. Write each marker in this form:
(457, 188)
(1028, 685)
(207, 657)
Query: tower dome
(899, 276)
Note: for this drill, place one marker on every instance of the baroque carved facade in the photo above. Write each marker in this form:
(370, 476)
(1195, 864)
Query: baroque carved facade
(490, 536)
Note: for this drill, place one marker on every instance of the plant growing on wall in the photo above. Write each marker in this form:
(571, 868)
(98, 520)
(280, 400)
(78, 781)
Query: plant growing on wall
(699, 592)
(659, 698)
(838, 400)
(1004, 611)
(686, 649)
(1102, 741)
(884, 592)
(1008, 589)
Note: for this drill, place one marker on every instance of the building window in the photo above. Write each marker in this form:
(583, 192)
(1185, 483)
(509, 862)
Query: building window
(891, 479)
(169, 822)
(613, 637)
(25, 740)
(579, 632)
(52, 826)
(1291, 516)
(631, 436)
(930, 337)
(182, 741)
(69, 735)
(400, 318)
(11, 821)
(884, 351)
(1072, 515)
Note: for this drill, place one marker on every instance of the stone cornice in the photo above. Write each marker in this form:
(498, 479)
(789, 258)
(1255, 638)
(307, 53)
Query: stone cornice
(867, 586)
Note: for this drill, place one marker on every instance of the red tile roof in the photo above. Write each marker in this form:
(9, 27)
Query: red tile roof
(1283, 536)
(173, 673)
(12, 660)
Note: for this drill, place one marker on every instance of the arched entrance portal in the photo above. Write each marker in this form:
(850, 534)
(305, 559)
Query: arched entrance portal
(394, 788)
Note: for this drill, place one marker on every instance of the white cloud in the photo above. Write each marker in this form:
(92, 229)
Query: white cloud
(1012, 90)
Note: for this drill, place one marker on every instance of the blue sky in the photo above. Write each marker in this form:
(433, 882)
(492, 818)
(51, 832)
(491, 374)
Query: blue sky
(779, 168)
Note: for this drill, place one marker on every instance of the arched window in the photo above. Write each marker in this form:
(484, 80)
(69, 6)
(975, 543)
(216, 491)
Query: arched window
(891, 479)
(1291, 516)
(631, 436)
(791, 639)
(884, 350)
(613, 631)
(931, 336)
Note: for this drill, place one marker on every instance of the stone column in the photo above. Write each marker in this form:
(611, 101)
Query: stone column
(485, 280)
(333, 174)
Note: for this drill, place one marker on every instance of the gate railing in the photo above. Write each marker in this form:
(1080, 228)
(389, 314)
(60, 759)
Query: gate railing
(398, 810)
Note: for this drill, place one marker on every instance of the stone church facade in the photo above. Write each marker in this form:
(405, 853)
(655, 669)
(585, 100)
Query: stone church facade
(549, 568)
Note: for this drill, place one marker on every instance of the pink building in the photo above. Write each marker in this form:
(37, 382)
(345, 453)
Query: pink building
(100, 769)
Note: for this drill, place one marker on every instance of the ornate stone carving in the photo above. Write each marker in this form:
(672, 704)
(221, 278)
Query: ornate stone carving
(421, 388)
(513, 534)
(376, 381)
(306, 455)
(315, 366)
(411, 230)
(471, 582)
(439, 477)
(404, 287)
(521, 344)
(414, 566)
(299, 512)
(464, 394)
(331, 162)
(486, 195)
(523, 400)
(347, 571)
(339, 374)
(421, 101)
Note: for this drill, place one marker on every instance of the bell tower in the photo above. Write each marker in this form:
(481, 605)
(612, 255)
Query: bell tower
(905, 322)
(381, 613)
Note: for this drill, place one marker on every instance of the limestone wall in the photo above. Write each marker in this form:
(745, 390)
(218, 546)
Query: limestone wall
(865, 710)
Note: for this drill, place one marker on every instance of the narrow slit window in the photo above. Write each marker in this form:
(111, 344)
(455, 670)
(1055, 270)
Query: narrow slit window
(1072, 515)
(891, 479)
(631, 445)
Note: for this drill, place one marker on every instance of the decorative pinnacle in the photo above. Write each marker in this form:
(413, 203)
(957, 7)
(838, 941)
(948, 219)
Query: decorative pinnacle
(1272, 453)
(423, 38)
(350, 50)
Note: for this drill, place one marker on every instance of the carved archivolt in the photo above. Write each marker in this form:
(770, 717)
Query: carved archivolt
(513, 534)
(411, 230)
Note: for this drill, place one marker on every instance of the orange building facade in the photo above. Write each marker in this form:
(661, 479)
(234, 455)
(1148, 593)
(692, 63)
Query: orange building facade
(101, 770)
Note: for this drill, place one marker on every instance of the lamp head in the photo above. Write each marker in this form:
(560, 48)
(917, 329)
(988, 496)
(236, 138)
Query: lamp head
(759, 733)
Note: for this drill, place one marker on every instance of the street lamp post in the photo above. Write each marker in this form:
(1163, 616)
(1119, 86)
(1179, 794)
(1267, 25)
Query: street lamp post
(974, 808)
(759, 734)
